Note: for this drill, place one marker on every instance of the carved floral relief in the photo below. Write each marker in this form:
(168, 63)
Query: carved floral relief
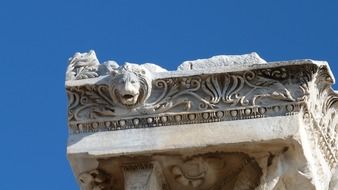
(128, 90)
(129, 97)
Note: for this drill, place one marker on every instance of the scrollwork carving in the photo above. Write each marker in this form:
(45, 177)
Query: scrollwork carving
(206, 92)
(89, 102)
(129, 91)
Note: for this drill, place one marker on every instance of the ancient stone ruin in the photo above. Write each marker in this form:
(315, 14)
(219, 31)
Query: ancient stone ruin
(224, 123)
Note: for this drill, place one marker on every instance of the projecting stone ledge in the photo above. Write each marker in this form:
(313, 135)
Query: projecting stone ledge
(222, 61)
(228, 122)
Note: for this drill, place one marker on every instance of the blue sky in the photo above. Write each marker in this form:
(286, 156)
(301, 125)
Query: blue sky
(38, 36)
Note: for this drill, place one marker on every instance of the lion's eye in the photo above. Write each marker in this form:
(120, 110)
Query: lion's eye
(132, 82)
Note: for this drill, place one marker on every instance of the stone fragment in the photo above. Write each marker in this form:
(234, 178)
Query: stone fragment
(222, 61)
(224, 123)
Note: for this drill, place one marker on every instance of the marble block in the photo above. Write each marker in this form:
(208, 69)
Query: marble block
(230, 122)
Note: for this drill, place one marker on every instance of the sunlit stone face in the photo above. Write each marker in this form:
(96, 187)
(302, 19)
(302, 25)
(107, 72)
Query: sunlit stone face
(128, 88)
(228, 122)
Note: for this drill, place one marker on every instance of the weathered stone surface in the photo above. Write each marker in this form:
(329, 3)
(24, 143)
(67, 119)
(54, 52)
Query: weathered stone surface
(222, 61)
(228, 122)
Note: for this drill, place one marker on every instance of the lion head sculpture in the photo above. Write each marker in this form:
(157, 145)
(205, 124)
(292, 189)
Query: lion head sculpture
(130, 85)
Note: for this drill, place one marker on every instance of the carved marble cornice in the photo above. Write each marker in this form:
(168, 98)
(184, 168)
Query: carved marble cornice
(192, 98)
(109, 97)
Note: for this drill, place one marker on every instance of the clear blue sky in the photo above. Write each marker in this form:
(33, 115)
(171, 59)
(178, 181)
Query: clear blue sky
(38, 36)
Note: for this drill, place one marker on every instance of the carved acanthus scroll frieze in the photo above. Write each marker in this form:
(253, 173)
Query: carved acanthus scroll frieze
(129, 93)
(226, 90)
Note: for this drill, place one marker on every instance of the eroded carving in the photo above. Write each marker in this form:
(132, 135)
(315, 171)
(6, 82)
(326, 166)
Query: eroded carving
(95, 180)
(86, 65)
(82, 66)
(192, 174)
(285, 170)
(143, 176)
(212, 171)
(323, 107)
